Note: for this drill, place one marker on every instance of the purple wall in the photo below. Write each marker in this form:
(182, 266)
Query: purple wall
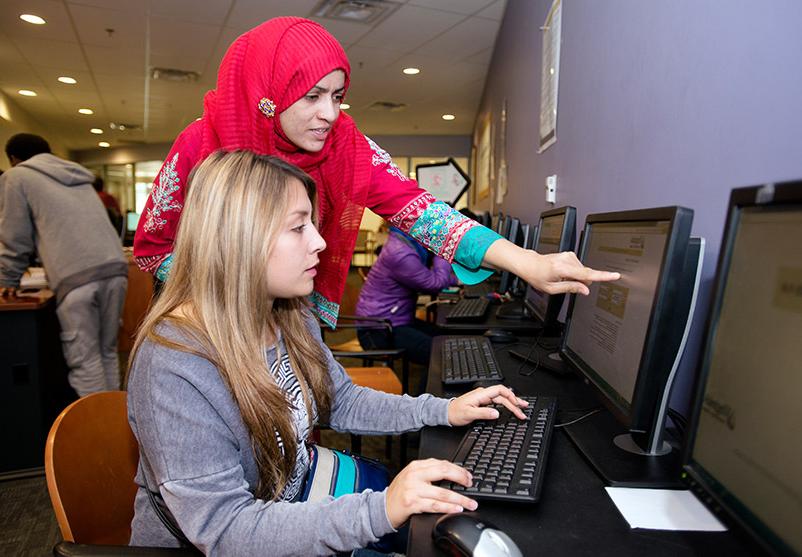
(660, 103)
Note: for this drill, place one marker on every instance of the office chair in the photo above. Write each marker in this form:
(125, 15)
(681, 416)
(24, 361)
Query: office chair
(91, 458)
(381, 378)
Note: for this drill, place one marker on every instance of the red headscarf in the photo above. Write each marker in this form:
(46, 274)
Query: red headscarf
(265, 71)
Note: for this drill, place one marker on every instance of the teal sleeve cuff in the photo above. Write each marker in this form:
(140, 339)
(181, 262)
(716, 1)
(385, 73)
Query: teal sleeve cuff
(164, 269)
(471, 251)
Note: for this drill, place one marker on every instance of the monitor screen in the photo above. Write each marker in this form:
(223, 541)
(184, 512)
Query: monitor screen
(747, 453)
(627, 339)
(446, 181)
(556, 233)
(131, 221)
(608, 328)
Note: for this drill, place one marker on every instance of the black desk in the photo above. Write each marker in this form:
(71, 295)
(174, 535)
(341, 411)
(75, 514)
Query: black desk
(574, 516)
(33, 381)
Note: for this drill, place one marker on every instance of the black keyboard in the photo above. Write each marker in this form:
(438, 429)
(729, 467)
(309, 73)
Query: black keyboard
(467, 359)
(468, 309)
(507, 457)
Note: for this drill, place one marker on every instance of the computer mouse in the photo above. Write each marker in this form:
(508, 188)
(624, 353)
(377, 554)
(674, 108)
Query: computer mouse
(500, 336)
(467, 534)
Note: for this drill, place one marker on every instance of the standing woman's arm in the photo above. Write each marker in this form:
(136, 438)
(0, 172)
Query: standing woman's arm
(472, 249)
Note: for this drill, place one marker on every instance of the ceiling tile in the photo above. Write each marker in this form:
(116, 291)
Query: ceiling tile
(58, 26)
(170, 37)
(346, 32)
(193, 11)
(408, 28)
(92, 24)
(461, 41)
(466, 7)
(116, 62)
(371, 59)
(30, 104)
(20, 76)
(250, 13)
(494, 11)
(45, 53)
(132, 6)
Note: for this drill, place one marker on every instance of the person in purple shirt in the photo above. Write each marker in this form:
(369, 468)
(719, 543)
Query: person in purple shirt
(403, 270)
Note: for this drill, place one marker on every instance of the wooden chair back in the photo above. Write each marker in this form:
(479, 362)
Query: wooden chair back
(91, 457)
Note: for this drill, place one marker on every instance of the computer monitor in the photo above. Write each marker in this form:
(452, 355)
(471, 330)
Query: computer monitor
(446, 181)
(745, 447)
(556, 233)
(131, 221)
(513, 233)
(528, 234)
(627, 337)
(500, 223)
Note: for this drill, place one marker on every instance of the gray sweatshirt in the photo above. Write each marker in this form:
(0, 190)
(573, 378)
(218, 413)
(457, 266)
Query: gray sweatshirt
(48, 204)
(200, 459)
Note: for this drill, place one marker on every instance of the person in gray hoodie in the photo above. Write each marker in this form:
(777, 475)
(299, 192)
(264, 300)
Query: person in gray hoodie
(48, 204)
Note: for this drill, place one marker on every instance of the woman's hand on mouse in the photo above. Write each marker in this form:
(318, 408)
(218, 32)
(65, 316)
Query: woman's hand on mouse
(554, 273)
(473, 405)
(411, 491)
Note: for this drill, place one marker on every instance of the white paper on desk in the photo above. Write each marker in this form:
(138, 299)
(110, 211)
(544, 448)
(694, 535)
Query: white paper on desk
(663, 509)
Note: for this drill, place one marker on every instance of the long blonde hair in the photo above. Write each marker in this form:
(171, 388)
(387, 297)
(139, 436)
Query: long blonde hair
(217, 295)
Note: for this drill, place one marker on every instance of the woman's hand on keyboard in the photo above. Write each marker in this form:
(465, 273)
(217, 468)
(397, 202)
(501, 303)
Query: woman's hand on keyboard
(474, 405)
(412, 490)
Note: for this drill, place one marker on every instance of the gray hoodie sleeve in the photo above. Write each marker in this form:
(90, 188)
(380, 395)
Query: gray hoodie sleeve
(16, 232)
(190, 433)
(361, 410)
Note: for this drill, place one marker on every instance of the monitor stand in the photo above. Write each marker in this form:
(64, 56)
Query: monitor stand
(514, 310)
(600, 438)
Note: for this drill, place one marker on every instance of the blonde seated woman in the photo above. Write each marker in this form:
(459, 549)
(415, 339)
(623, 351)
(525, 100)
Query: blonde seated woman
(229, 376)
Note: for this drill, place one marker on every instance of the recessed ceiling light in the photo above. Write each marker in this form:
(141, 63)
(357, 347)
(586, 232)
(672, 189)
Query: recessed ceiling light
(30, 18)
(27, 93)
(86, 111)
(345, 106)
(96, 131)
(68, 80)
(448, 116)
(411, 71)
(104, 144)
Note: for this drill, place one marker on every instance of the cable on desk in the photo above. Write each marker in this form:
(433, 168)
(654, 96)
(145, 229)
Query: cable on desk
(680, 422)
(529, 356)
(579, 419)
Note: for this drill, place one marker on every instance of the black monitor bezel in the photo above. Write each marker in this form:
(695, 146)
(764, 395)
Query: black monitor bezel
(529, 233)
(639, 414)
(567, 243)
(512, 233)
(448, 162)
(780, 197)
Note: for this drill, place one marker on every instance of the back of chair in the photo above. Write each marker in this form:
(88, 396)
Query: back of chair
(91, 458)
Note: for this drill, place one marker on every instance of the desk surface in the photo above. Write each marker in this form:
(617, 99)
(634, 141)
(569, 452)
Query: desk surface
(574, 516)
(28, 301)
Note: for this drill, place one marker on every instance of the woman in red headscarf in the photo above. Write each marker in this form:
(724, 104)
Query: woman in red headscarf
(279, 90)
